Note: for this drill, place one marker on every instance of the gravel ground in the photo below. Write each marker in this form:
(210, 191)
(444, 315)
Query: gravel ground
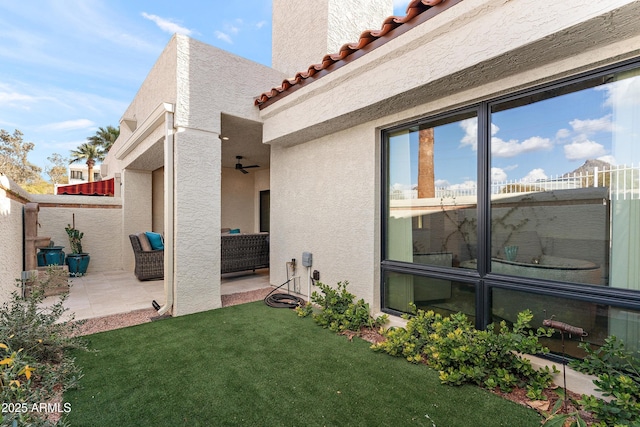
(117, 321)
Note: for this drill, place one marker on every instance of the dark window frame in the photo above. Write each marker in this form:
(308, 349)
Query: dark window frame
(483, 278)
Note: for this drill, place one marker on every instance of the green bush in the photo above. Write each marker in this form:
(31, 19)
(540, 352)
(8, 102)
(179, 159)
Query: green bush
(33, 366)
(27, 323)
(338, 311)
(618, 372)
(490, 358)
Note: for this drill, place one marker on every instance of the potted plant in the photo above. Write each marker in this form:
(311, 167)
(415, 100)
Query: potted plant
(77, 260)
(50, 255)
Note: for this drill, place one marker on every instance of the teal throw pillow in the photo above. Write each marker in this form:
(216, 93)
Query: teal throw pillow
(234, 231)
(156, 240)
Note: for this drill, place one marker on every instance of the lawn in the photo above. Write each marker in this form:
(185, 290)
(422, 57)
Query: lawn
(252, 365)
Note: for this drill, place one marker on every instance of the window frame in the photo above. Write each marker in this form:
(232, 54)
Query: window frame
(484, 279)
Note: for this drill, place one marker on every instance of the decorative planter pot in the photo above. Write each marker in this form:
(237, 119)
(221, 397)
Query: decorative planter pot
(50, 255)
(78, 264)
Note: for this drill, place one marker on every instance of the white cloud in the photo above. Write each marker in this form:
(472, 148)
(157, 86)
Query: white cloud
(261, 24)
(223, 36)
(609, 159)
(500, 147)
(470, 138)
(512, 148)
(10, 97)
(622, 93)
(498, 175)
(591, 126)
(69, 125)
(563, 133)
(466, 185)
(441, 183)
(535, 175)
(167, 25)
(583, 149)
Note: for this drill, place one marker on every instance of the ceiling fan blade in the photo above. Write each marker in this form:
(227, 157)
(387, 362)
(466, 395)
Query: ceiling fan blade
(243, 171)
(251, 166)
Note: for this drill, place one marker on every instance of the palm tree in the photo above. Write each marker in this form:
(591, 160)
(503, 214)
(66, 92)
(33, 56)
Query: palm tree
(105, 137)
(91, 153)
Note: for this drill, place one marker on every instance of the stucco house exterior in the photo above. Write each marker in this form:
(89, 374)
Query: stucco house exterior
(417, 162)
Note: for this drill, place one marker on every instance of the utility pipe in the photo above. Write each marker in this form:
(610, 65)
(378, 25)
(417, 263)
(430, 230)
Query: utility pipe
(169, 206)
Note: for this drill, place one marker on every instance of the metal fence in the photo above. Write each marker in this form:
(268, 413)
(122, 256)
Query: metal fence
(623, 183)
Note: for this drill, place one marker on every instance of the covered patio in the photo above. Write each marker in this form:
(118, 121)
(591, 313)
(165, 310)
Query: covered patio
(116, 292)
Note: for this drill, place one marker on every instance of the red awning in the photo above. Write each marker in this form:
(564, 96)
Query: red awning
(97, 188)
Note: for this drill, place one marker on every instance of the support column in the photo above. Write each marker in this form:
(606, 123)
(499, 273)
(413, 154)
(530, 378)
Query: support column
(197, 221)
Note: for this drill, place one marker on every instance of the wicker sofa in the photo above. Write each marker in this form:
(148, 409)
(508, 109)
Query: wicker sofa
(241, 252)
(149, 262)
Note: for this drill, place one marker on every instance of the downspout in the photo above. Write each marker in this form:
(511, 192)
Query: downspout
(169, 185)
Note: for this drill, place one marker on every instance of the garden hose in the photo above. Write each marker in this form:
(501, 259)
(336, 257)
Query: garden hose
(282, 300)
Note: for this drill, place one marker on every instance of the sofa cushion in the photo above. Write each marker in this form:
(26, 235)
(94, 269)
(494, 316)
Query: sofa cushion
(156, 240)
(144, 242)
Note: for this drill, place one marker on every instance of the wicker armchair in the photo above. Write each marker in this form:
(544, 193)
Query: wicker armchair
(149, 263)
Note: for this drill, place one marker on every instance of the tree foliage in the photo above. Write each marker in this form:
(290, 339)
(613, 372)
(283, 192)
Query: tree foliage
(104, 138)
(13, 158)
(58, 169)
(89, 152)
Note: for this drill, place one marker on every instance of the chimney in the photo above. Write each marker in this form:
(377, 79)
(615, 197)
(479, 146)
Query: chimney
(305, 31)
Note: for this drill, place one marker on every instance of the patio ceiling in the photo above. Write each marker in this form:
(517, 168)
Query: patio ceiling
(245, 139)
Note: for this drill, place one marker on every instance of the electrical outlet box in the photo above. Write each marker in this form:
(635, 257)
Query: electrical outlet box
(316, 275)
(307, 259)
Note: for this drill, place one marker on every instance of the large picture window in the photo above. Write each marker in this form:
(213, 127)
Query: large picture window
(527, 201)
(432, 205)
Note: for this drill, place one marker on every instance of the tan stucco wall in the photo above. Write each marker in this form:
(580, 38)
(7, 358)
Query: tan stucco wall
(473, 50)
(99, 218)
(197, 223)
(158, 200)
(238, 200)
(328, 205)
(240, 205)
(304, 32)
(11, 231)
(325, 179)
(136, 210)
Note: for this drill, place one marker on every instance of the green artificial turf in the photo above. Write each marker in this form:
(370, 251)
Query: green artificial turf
(252, 365)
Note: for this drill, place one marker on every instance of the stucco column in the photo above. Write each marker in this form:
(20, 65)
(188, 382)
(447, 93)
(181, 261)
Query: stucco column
(196, 221)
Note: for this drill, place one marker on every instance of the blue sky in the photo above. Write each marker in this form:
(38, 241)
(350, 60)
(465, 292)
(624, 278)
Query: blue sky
(539, 141)
(71, 66)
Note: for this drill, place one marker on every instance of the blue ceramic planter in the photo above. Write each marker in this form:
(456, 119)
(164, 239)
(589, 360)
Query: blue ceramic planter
(51, 255)
(78, 264)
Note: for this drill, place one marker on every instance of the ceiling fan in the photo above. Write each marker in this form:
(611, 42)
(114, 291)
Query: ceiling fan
(242, 168)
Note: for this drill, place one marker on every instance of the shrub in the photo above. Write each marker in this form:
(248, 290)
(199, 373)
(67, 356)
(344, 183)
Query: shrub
(462, 354)
(338, 311)
(618, 372)
(33, 366)
(27, 323)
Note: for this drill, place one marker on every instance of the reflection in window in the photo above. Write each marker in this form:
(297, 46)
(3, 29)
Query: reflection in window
(441, 296)
(432, 193)
(565, 201)
(597, 320)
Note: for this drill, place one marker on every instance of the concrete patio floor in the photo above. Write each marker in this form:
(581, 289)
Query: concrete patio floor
(116, 292)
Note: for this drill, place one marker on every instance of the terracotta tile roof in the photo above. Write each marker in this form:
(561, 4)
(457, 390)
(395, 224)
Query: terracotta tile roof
(418, 11)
